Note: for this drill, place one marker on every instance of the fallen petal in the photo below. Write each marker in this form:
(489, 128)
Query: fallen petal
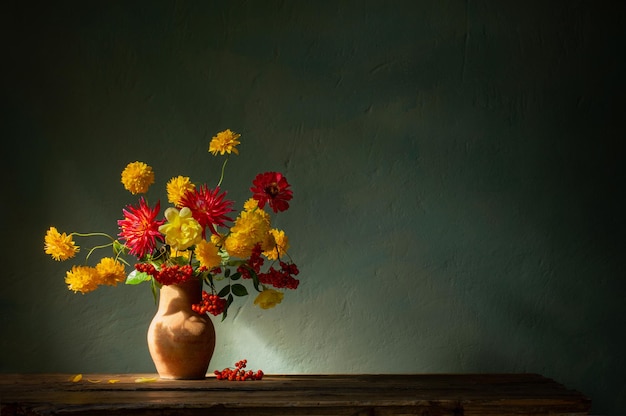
(146, 380)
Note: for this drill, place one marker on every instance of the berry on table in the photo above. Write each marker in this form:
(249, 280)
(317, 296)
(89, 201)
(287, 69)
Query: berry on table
(238, 373)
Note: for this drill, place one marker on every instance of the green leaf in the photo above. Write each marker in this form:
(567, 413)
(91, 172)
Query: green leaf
(226, 272)
(209, 279)
(255, 280)
(239, 290)
(235, 276)
(225, 291)
(224, 255)
(135, 277)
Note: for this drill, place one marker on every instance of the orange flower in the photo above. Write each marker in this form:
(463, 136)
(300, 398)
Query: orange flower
(137, 177)
(59, 246)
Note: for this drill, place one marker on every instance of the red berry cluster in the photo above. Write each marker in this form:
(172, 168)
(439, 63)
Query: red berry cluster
(238, 374)
(210, 303)
(168, 275)
(254, 263)
(282, 278)
(146, 268)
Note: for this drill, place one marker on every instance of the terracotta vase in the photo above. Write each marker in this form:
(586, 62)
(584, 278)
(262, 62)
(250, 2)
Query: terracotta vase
(181, 341)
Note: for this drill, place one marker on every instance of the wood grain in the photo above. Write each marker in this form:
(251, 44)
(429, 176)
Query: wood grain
(364, 394)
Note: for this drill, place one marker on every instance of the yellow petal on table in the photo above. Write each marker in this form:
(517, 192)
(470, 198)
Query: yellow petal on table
(146, 380)
(76, 378)
(113, 381)
(94, 381)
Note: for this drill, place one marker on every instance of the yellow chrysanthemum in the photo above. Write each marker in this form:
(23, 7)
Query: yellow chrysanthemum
(281, 244)
(224, 142)
(137, 177)
(110, 271)
(177, 187)
(82, 279)
(60, 246)
(269, 298)
(268, 242)
(249, 229)
(251, 204)
(207, 254)
(181, 230)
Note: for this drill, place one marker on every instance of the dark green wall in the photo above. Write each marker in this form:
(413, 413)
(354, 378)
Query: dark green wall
(457, 171)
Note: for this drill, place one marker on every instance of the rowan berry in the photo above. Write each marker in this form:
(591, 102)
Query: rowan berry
(146, 268)
(175, 274)
(238, 374)
(210, 303)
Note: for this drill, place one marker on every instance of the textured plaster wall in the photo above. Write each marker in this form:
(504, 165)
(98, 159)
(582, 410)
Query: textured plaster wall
(459, 192)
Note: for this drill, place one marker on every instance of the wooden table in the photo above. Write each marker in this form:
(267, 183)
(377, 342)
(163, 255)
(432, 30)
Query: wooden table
(356, 395)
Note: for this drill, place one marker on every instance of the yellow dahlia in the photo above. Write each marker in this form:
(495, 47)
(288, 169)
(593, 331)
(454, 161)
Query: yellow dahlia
(224, 142)
(110, 271)
(177, 187)
(137, 177)
(269, 298)
(60, 246)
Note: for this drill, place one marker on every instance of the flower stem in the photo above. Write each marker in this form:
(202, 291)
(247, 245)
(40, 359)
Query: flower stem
(94, 235)
(222, 174)
(97, 247)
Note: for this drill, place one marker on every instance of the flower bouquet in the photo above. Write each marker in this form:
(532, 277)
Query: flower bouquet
(197, 238)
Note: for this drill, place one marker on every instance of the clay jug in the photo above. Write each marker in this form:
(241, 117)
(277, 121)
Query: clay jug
(181, 341)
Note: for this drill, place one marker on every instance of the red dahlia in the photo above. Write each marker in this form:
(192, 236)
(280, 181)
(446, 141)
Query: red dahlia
(140, 228)
(272, 187)
(208, 207)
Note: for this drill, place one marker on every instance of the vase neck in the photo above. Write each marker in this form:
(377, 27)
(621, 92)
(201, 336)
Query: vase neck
(180, 296)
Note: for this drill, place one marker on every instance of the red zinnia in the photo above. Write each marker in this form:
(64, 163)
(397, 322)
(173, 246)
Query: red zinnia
(140, 228)
(208, 207)
(272, 187)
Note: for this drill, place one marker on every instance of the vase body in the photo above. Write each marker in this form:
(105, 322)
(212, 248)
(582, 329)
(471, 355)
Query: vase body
(181, 341)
